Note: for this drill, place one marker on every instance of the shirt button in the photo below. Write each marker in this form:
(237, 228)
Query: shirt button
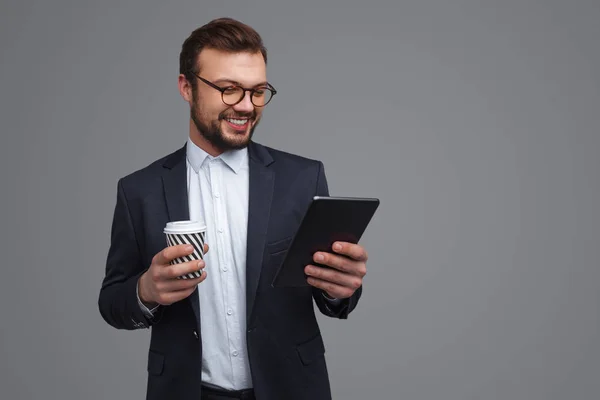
(225, 269)
(217, 195)
(229, 312)
(220, 230)
(195, 334)
(235, 353)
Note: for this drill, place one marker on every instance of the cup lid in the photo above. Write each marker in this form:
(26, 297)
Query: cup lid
(184, 227)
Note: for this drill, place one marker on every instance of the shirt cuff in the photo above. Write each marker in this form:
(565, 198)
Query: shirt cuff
(149, 313)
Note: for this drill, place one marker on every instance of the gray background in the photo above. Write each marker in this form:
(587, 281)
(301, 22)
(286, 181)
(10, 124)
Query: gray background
(476, 122)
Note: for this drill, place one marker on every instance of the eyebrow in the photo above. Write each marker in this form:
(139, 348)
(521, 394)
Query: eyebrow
(238, 83)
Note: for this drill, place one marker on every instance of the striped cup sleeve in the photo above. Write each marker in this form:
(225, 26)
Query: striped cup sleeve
(196, 240)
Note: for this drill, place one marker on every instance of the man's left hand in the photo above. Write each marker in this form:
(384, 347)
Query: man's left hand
(348, 268)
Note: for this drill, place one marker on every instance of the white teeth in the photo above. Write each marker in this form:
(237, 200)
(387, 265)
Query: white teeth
(237, 121)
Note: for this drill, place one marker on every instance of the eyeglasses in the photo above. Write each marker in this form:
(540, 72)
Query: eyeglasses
(232, 95)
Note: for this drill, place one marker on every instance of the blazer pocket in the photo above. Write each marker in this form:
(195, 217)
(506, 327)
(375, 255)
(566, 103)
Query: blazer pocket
(311, 350)
(279, 246)
(156, 363)
(275, 253)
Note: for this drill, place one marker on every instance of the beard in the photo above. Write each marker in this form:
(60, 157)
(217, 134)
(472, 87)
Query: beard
(212, 132)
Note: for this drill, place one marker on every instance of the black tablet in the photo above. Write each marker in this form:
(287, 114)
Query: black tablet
(327, 220)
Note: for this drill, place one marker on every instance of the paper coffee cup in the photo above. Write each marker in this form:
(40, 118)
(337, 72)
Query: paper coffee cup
(187, 232)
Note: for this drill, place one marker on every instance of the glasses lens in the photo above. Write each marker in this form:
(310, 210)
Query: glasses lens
(232, 95)
(261, 96)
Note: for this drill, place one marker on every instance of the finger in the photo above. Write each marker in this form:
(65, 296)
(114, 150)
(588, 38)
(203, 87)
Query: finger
(332, 276)
(206, 248)
(173, 297)
(176, 270)
(354, 251)
(170, 253)
(341, 263)
(175, 285)
(334, 290)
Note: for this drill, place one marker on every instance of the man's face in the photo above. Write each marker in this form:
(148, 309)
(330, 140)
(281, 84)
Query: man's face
(227, 127)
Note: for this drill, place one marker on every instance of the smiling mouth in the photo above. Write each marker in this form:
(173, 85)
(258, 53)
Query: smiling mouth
(239, 124)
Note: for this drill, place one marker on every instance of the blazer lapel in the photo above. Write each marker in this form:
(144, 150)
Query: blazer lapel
(259, 207)
(176, 196)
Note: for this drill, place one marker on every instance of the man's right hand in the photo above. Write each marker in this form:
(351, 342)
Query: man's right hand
(159, 285)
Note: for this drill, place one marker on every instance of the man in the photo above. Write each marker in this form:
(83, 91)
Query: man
(228, 333)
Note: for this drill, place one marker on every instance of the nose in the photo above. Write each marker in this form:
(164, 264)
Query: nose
(245, 105)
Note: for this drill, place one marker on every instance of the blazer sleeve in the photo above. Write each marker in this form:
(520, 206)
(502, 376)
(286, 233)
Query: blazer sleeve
(118, 301)
(339, 309)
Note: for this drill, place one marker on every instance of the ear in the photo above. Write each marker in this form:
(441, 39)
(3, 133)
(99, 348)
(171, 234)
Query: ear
(185, 88)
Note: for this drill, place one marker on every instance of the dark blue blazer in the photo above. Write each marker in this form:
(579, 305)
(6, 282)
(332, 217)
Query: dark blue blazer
(286, 351)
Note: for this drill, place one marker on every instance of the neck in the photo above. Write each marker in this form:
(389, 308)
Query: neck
(199, 140)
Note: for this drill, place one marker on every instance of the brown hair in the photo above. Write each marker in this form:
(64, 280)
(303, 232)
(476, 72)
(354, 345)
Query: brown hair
(225, 34)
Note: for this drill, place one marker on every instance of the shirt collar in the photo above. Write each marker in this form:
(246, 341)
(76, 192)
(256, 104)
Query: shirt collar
(232, 158)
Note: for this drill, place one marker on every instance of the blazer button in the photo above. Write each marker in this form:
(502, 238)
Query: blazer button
(195, 334)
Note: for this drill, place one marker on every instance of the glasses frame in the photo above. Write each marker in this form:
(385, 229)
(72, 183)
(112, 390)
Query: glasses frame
(251, 90)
